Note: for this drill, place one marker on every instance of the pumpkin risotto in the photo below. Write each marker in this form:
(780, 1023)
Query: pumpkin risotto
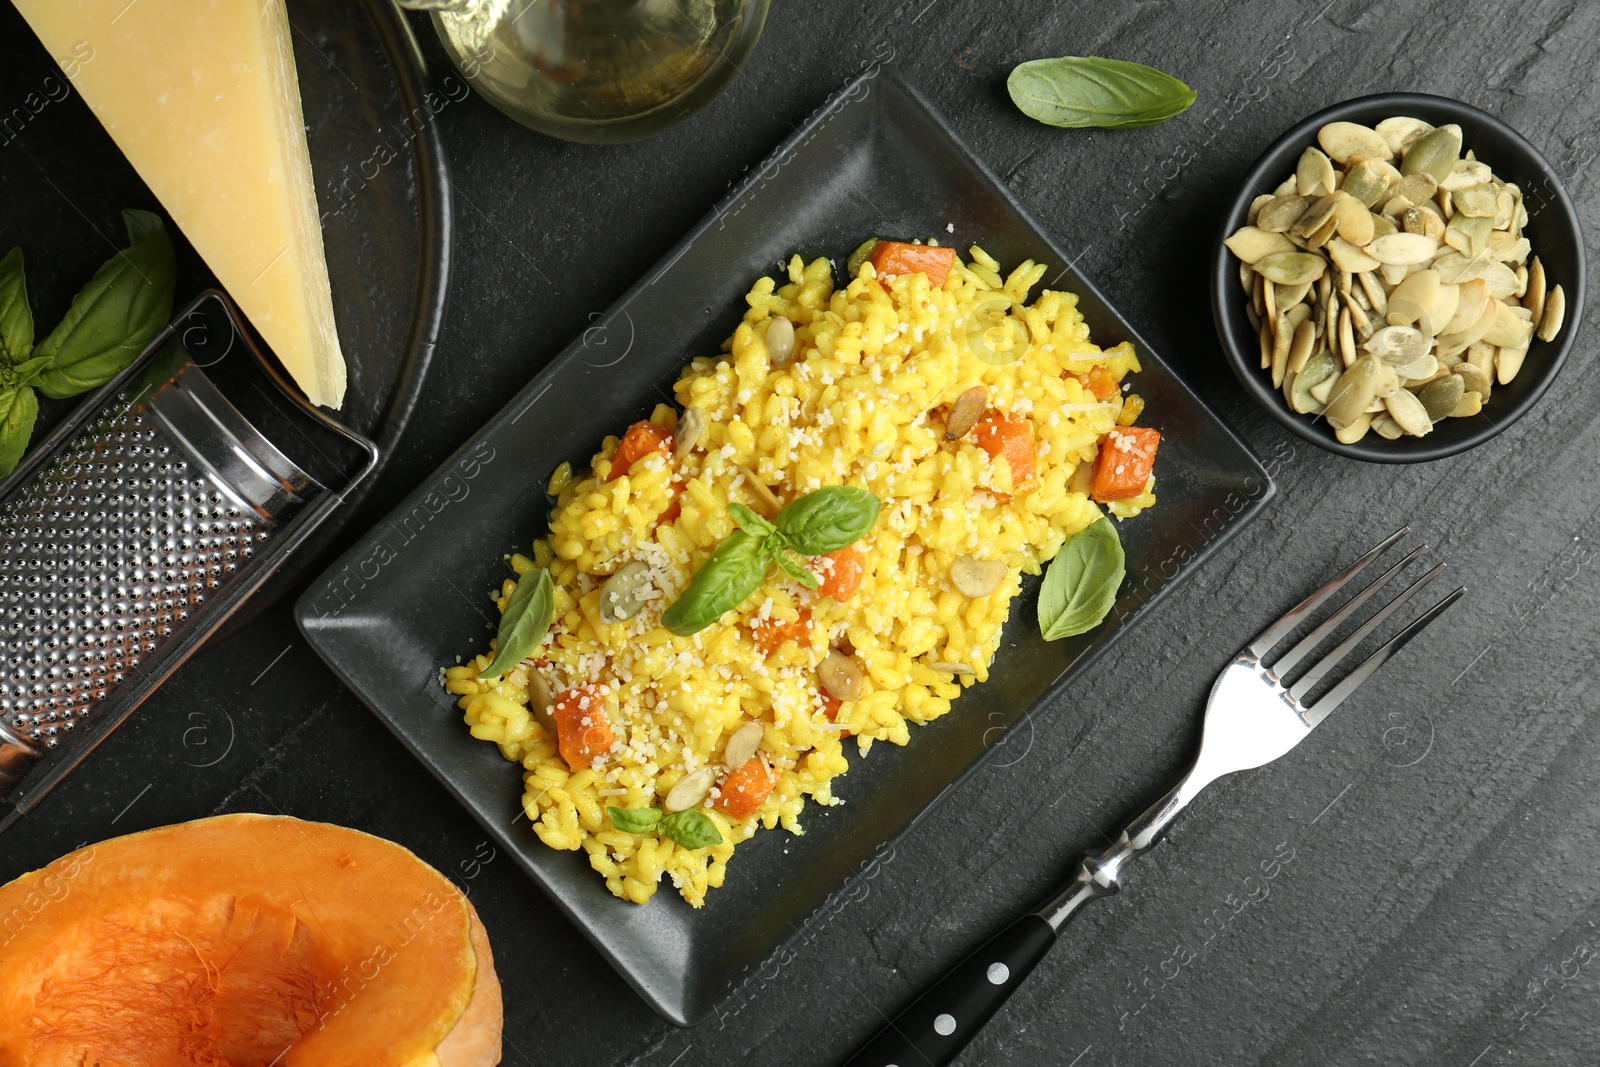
(975, 432)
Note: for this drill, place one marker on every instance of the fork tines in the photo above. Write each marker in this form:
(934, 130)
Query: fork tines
(1275, 634)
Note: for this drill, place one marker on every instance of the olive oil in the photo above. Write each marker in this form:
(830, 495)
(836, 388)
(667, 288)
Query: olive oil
(597, 70)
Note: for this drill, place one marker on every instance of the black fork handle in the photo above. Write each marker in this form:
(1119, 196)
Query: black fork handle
(937, 1025)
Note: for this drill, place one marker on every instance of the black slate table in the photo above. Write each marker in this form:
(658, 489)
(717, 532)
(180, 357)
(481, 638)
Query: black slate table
(1417, 884)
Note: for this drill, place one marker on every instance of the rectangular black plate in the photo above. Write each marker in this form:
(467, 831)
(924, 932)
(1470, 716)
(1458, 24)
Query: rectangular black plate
(411, 595)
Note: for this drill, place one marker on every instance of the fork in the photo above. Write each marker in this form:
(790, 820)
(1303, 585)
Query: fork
(1253, 716)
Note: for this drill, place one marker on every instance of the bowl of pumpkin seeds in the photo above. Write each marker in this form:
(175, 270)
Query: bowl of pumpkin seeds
(1400, 278)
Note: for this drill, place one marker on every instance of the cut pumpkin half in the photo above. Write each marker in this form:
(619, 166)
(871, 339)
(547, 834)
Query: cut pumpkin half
(244, 941)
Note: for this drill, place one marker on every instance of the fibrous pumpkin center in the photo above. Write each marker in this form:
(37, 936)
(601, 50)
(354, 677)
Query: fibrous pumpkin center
(223, 982)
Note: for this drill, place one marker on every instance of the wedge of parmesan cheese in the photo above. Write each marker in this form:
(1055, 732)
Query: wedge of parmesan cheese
(202, 98)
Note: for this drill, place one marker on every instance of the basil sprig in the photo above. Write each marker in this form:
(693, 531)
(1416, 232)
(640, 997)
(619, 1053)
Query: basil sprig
(1081, 91)
(1082, 582)
(691, 829)
(527, 618)
(125, 304)
(824, 521)
(112, 318)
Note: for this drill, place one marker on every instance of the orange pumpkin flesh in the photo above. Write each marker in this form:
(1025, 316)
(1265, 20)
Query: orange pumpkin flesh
(244, 941)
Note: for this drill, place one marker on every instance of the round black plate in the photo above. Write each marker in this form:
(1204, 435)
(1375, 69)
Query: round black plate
(1552, 230)
(381, 184)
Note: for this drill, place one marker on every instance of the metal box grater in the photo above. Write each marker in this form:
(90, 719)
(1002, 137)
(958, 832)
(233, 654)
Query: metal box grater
(131, 533)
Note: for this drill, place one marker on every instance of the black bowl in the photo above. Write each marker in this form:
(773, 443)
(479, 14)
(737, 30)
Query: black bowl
(1552, 230)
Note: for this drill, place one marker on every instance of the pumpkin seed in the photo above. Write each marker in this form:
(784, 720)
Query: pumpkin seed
(770, 505)
(1467, 234)
(975, 577)
(1402, 249)
(1269, 301)
(1286, 188)
(1355, 389)
(1508, 249)
(965, 412)
(540, 701)
(1555, 313)
(1382, 226)
(1471, 296)
(1473, 380)
(1386, 427)
(840, 676)
(1314, 174)
(1355, 430)
(1398, 345)
(692, 788)
(1287, 296)
(1434, 153)
(1318, 370)
(1341, 140)
(1470, 404)
(1247, 278)
(1281, 212)
(1254, 213)
(1475, 201)
(1348, 257)
(1505, 207)
(1449, 344)
(945, 667)
(1252, 244)
(1408, 412)
(1424, 368)
(1359, 321)
(1417, 188)
(1374, 293)
(623, 594)
(1416, 294)
(1291, 268)
(1395, 208)
(1353, 221)
(1365, 183)
(691, 425)
(1305, 337)
(1534, 298)
(1440, 398)
(1401, 132)
(1507, 361)
(1522, 282)
(1464, 174)
(1425, 220)
(1347, 338)
(780, 341)
(1512, 328)
(1316, 215)
(1322, 389)
(743, 745)
(1481, 356)
(1265, 336)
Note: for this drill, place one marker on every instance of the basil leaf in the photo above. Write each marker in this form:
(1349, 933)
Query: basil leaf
(1080, 91)
(734, 571)
(16, 318)
(828, 519)
(527, 618)
(126, 303)
(1082, 582)
(634, 820)
(18, 410)
(691, 829)
(750, 522)
(796, 570)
